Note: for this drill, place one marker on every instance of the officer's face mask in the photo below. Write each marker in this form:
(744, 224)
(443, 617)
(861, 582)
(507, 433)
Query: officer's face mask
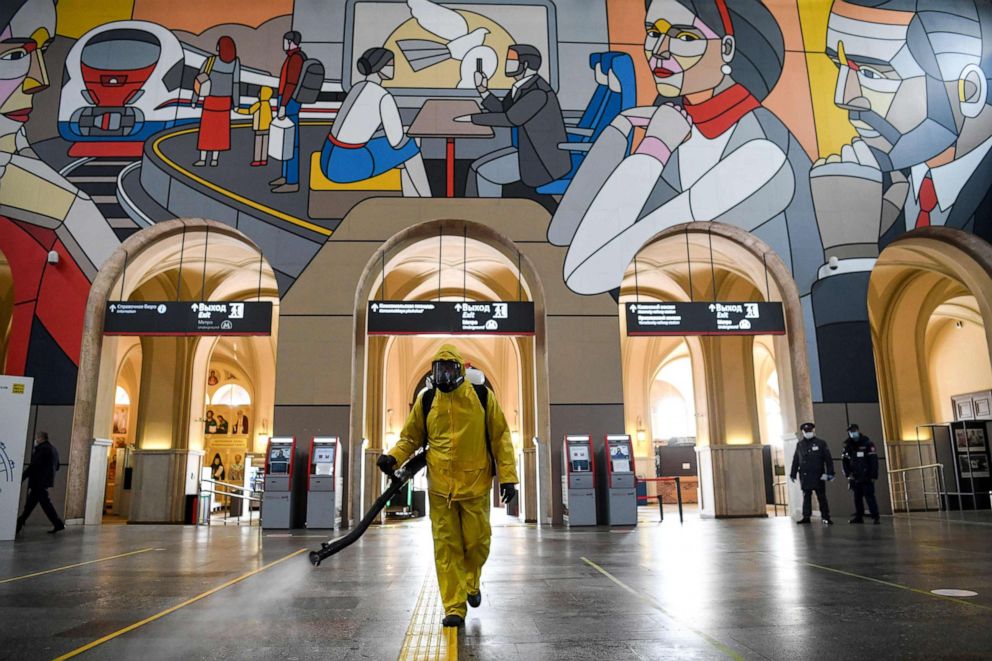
(808, 434)
(447, 375)
(855, 435)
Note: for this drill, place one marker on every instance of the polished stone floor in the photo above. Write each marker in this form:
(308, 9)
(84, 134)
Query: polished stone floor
(738, 589)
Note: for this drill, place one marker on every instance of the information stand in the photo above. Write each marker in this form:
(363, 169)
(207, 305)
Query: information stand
(578, 481)
(277, 501)
(324, 483)
(621, 481)
(15, 411)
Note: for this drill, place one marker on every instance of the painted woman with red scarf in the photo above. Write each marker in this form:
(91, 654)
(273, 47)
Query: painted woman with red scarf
(711, 152)
(224, 73)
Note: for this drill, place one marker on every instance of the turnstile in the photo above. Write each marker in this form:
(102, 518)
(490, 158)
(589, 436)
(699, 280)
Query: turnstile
(578, 481)
(324, 483)
(621, 481)
(277, 500)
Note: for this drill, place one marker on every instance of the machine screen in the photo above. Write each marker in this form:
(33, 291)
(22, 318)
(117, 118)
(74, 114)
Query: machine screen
(279, 459)
(323, 460)
(620, 458)
(578, 455)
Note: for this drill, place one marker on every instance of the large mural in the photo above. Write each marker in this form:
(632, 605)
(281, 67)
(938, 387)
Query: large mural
(827, 128)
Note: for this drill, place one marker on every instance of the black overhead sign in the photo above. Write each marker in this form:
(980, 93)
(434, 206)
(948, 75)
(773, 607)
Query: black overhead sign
(708, 318)
(450, 318)
(187, 318)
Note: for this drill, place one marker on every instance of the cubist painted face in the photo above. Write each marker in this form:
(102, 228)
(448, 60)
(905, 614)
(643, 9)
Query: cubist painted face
(883, 88)
(22, 65)
(682, 51)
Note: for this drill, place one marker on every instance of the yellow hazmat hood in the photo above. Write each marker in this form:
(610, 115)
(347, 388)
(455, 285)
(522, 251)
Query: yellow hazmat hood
(449, 352)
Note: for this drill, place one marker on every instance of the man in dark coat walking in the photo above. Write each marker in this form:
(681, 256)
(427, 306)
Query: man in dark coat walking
(814, 466)
(40, 475)
(531, 107)
(860, 464)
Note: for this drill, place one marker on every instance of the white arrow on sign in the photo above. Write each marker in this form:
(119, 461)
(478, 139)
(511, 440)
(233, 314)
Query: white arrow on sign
(712, 308)
(113, 308)
(633, 308)
(375, 307)
(193, 307)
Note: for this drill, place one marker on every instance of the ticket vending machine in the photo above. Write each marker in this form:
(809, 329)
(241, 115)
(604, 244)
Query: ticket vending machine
(578, 481)
(277, 499)
(621, 481)
(324, 483)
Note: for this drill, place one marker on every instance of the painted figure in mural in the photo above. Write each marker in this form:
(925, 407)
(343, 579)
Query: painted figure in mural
(711, 152)
(217, 468)
(222, 425)
(240, 423)
(530, 108)
(220, 90)
(261, 120)
(210, 424)
(212, 379)
(237, 470)
(913, 76)
(459, 43)
(355, 149)
(289, 79)
(31, 192)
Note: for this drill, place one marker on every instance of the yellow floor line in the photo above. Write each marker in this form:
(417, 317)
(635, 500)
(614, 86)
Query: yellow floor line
(716, 644)
(426, 638)
(232, 195)
(901, 587)
(78, 564)
(204, 595)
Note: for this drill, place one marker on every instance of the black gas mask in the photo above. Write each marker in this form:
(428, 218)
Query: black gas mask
(447, 375)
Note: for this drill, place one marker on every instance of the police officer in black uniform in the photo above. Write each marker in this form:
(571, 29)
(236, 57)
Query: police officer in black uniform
(860, 463)
(814, 466)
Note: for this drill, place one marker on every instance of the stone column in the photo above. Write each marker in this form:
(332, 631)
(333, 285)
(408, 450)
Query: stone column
(731, 475)
(163, 406)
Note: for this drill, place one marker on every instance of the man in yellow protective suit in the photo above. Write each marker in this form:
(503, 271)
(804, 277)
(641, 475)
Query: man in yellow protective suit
(468, 442)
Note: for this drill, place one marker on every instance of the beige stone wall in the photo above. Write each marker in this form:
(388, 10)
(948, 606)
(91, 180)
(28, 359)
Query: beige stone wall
(324, 359)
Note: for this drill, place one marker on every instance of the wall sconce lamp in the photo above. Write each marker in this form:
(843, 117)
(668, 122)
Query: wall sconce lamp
(642, 434)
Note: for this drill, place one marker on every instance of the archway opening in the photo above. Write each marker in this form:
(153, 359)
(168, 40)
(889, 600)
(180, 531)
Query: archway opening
(174, 381)
(463, 266)
(931, 315)
(716, 410)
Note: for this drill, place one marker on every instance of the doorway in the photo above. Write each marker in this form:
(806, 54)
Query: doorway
(152, 392)
(717, 411)
(461, 262)
(930, 310)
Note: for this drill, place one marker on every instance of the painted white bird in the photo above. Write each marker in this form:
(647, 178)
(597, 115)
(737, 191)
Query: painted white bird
(446, 24)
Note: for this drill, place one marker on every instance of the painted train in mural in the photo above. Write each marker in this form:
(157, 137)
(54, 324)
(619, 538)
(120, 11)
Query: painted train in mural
(127, 80)
(124, 81)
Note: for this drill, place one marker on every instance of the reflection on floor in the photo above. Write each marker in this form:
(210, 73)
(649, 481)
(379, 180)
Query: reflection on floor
(750, 589)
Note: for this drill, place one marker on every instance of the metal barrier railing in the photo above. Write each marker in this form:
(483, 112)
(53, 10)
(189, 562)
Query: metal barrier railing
(243, 496)
(678, 493)
(918, 489)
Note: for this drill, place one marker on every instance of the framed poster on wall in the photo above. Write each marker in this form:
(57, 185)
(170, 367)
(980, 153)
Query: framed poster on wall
(963, 410)
(969, 439)
(974, 465)
(983, 407)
